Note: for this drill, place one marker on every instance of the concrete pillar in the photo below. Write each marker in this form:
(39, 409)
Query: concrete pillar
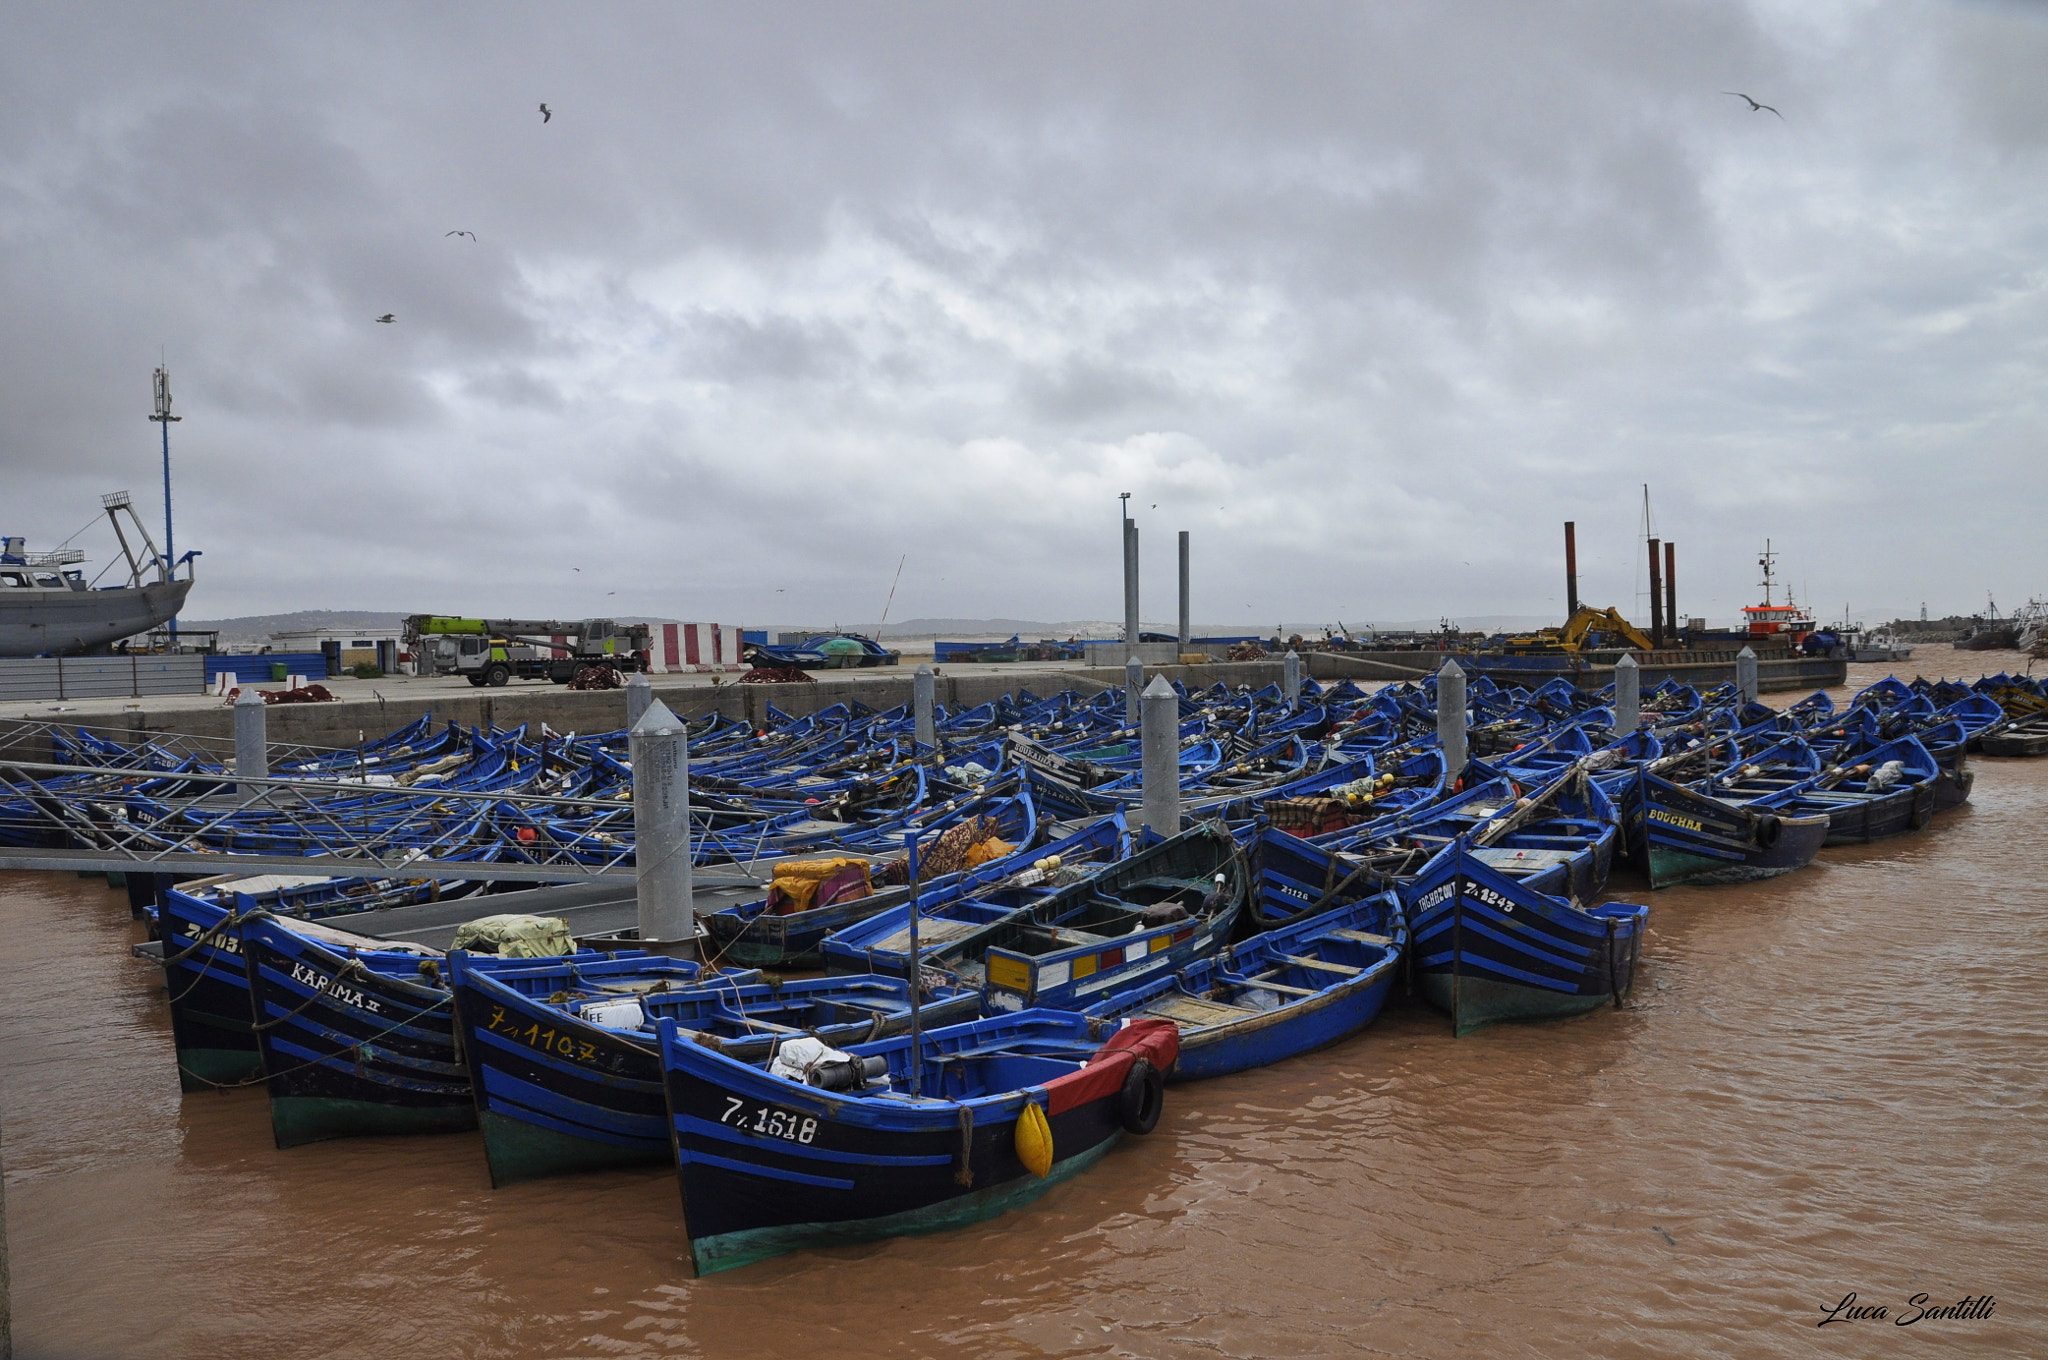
(1628, 696)
(1131, 582)
(639, 694)
(1162, 758)
(1134, 687)
(1290, 677)
(1450, 717)
(1671, 589)
(923, 694)
(659, 745)
(252, 744)
(1185, 636)
(1745, 674)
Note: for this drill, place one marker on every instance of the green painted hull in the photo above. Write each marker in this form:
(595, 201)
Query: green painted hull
(1486, 1001)
(297, 1120)
(732, 1250)
(1669, 867)
(519, 1151)
(209, 1069)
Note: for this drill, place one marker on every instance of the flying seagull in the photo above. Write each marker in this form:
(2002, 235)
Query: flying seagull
(546, 113)
(1753, 105)
(386, 319)
(470, 234)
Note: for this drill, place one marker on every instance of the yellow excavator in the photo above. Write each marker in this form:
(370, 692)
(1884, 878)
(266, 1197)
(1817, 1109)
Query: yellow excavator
(1587, 630)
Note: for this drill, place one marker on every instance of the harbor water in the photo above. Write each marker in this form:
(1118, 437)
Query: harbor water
(1827, 1083)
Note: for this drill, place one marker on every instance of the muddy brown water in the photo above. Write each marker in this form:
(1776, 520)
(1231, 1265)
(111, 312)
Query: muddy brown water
(1827, 1083)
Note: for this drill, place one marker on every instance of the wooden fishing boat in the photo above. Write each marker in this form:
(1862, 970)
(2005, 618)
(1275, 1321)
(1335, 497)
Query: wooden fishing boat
(953, 914)
(1861, 803)
(565, 1068)
(1284, 992)
(359, 1037)
(749, 935)
(1169, 903)
(769, 1165)
(1677, 834)
(1487, 948)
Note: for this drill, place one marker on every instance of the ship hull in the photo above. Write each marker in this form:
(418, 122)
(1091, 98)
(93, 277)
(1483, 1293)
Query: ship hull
(36, 622)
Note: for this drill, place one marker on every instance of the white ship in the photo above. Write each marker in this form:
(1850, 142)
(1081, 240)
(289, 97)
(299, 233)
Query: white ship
(49, 608)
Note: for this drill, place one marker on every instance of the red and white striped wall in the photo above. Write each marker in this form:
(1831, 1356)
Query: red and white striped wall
(695, 647)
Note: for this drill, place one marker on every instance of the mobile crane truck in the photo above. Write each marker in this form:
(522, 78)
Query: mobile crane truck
(492, 651)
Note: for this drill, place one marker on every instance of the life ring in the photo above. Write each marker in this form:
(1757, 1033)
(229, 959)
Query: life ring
(1768, 829)
(1144, 1095)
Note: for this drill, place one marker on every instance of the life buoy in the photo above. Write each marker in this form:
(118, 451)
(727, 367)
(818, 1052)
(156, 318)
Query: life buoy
(1143, 1097)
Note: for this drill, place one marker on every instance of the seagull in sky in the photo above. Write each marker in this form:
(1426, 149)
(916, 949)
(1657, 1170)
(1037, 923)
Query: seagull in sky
(470, 234)
(546, 113)
(386, 319)
(1754, 107)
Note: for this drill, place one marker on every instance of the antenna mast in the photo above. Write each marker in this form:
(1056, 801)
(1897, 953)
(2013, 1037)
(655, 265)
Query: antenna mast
(163, 418)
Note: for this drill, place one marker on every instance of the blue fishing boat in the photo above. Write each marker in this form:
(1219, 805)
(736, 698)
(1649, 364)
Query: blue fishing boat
(1488, 948)
(1284, 992)
(1677, 834)
(564, 1066)
(1005, 1109)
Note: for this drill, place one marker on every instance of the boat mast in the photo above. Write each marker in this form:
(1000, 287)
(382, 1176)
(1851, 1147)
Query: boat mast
(163, 418)
(1765, 562)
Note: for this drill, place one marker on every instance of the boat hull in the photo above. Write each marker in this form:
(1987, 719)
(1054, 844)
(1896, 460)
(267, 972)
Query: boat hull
(350, 1051)
(68, 622)
(209, 995)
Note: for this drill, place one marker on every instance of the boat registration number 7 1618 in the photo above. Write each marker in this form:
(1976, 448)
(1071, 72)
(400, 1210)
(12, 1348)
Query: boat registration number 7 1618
(768, 1121)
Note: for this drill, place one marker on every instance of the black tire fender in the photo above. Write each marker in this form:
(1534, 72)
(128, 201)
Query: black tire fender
(1768, 829)
(1143, 1098)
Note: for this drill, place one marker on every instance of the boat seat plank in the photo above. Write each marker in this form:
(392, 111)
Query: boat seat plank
(1197, 1010)
(1301, 961)
(1360, 936)
(1260, 980)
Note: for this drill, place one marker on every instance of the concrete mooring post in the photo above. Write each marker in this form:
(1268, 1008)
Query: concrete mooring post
(1185, 635)
(1290, 677)
(1162, 758)
(252, 742)
(659, 745)
(1628, 696)
(1130, 587)
(924, 688)
(1134, 689)
(1450, 718)
(1745, 674)
(639, 694)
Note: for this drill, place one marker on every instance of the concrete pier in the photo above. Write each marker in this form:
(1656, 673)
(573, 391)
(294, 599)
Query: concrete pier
(660, 748)
(1450, 718)
(1628, 696)
(639, 694)
(1134, 689)
(1290, 678)
(1185, 634)
(1162, 758)
(1745, 674)
(252, 743)
(923, 688)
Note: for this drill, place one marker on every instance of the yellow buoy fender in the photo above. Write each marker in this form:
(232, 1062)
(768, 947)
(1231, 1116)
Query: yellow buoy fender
(1034, 1141)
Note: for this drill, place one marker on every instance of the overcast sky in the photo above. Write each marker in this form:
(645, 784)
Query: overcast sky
(1368, 297)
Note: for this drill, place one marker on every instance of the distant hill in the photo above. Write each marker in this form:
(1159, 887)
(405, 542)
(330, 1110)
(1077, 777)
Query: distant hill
(259, 627)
